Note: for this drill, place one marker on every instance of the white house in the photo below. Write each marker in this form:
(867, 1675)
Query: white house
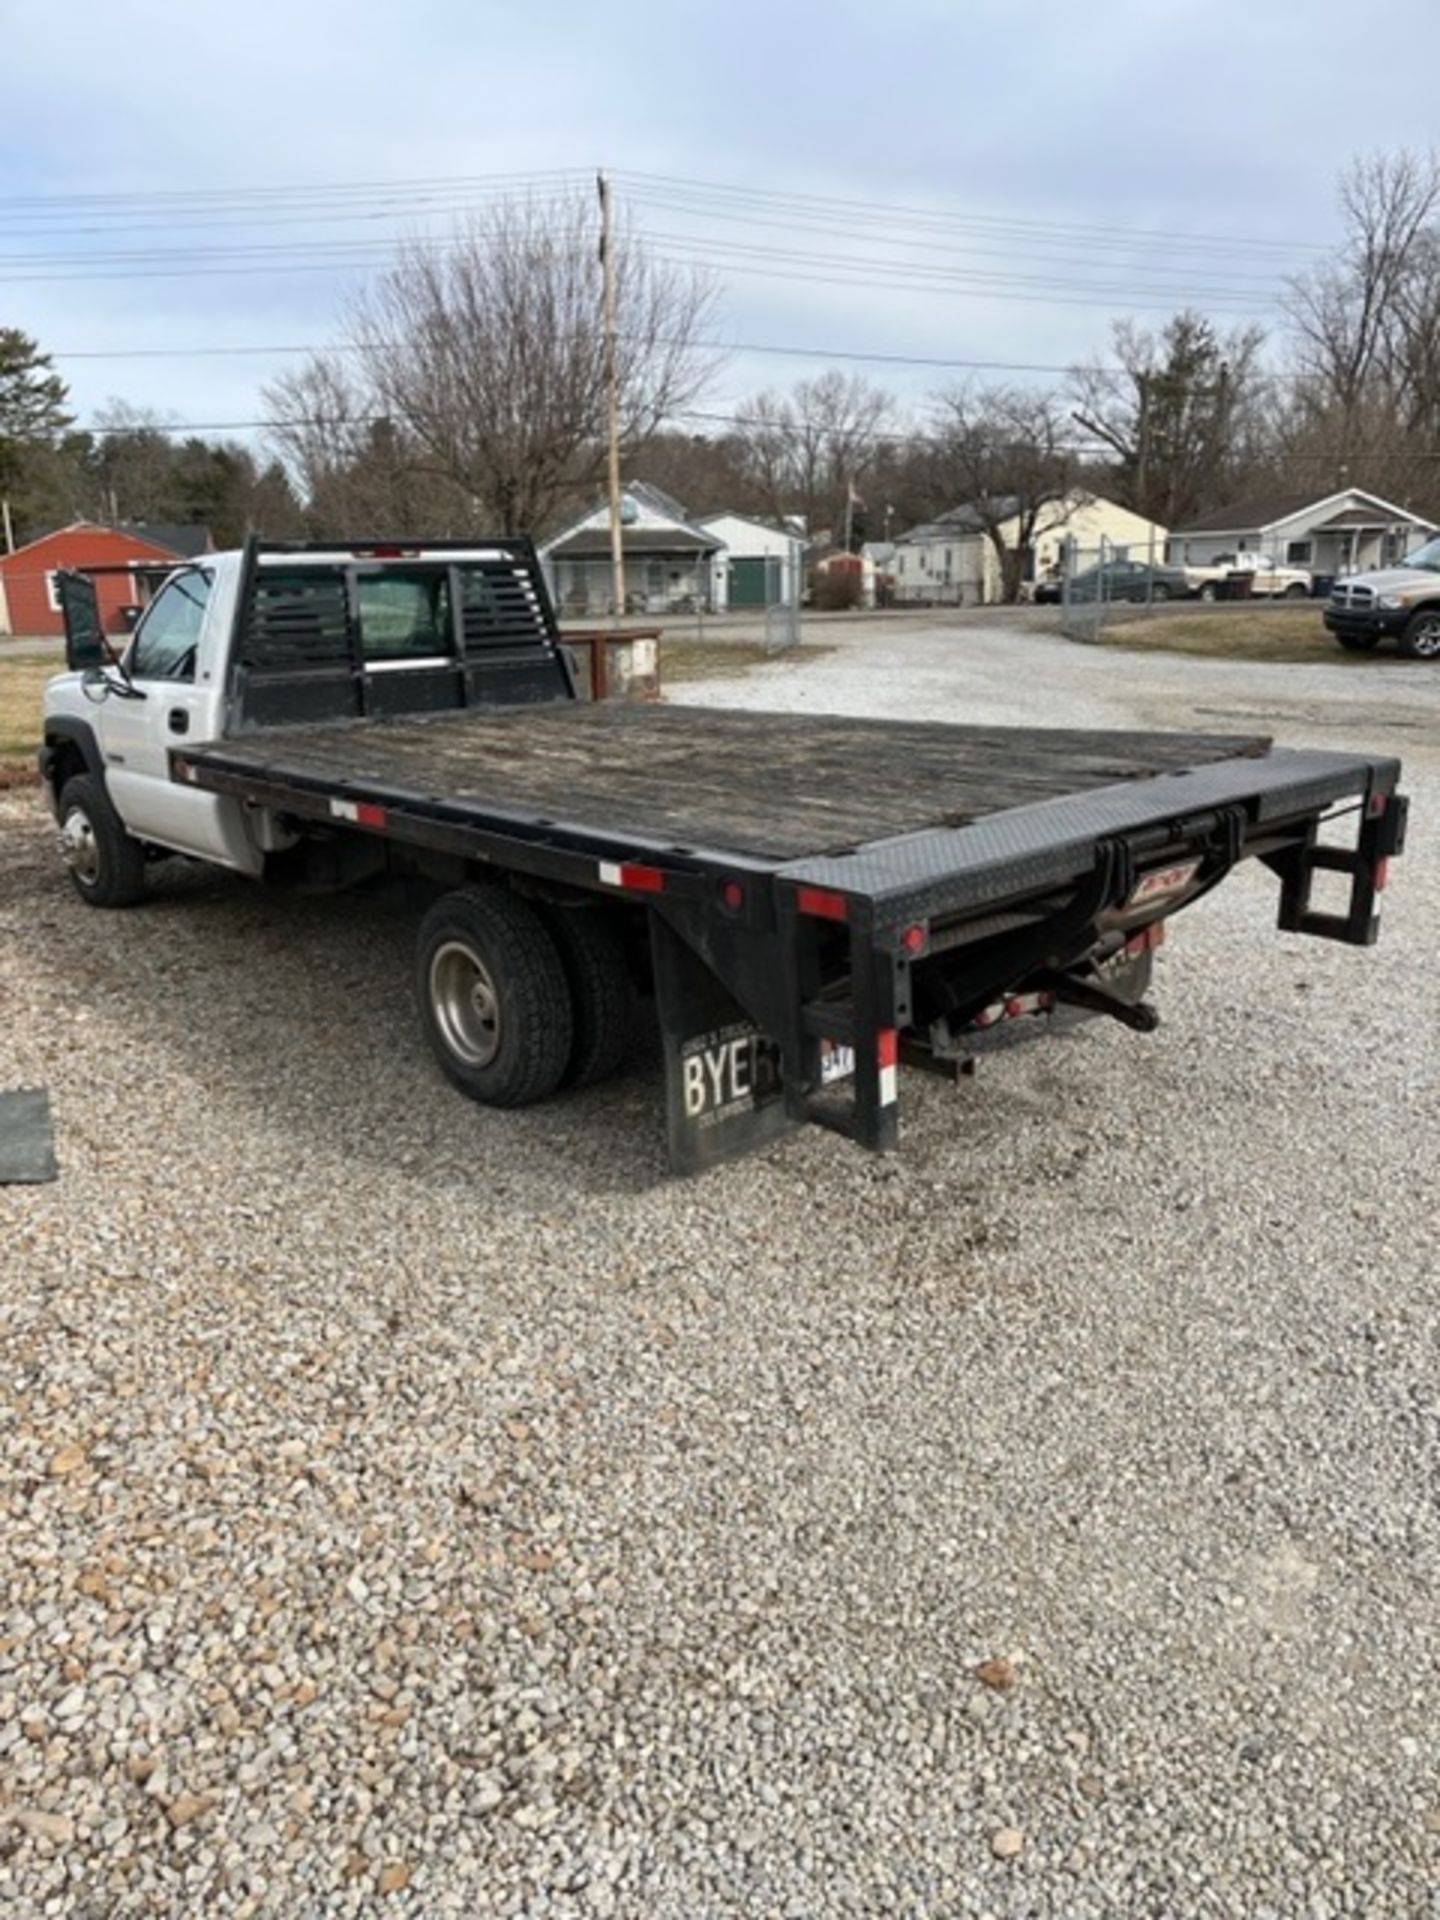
(759, 565)
(1348, 531)
(670, 560)
(952, 560)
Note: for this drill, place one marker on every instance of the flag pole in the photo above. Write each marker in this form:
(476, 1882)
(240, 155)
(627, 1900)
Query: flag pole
(612, 385)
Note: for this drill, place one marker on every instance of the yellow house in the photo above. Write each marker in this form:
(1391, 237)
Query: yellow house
(952, 561)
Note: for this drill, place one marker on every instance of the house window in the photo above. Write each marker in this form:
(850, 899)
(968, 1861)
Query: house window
(1298, 553)
(51, 594)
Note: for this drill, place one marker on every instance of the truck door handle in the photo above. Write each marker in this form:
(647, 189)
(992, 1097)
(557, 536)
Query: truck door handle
(178, 719)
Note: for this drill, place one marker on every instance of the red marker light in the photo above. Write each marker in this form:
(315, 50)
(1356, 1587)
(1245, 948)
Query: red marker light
(1382, 874)
(733, 895)
(822, 904)
(915, 939)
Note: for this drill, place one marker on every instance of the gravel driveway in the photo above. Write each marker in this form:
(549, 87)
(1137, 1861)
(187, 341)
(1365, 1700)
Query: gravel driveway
(415, 1510)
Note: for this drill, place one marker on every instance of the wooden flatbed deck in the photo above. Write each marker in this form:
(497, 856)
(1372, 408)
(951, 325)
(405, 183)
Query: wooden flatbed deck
(767, 785)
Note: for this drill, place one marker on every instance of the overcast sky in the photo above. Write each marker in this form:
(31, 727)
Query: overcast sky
(1220, 121)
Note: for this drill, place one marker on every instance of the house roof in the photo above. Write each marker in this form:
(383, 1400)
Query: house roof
(751, 520)
(1269, 510)
(1353, 517)
(138, 536)
(188, 541)
(655, 498)
(588, 540)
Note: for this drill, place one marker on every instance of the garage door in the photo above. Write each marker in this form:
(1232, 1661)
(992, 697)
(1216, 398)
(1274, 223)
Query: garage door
(755, 582)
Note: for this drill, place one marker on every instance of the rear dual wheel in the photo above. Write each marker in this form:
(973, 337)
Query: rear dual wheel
(515, 1004)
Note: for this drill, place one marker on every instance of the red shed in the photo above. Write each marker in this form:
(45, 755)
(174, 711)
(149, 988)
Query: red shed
(27, 576)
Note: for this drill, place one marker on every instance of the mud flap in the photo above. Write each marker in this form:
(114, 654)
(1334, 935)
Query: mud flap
(723, 1092)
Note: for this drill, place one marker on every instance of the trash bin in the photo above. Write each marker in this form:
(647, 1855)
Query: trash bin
(1239, 585)
(1321, 585)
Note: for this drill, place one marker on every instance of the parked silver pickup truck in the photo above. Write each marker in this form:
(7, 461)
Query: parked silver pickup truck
(1402, 602)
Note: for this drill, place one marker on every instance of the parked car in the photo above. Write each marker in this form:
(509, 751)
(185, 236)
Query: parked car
(1118, 580)
(1269, 578)
(1402, 601)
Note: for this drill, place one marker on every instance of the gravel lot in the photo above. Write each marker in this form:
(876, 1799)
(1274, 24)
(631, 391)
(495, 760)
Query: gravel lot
(415, 1510)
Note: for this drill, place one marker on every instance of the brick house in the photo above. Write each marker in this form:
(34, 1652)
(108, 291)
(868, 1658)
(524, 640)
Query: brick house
(28, 603)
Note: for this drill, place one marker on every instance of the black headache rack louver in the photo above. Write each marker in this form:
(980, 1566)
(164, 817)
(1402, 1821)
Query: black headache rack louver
(299, 655)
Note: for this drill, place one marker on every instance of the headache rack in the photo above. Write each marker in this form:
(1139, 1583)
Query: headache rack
(298, 656)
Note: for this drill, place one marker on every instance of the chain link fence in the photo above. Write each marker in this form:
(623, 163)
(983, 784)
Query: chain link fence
(1095, 580)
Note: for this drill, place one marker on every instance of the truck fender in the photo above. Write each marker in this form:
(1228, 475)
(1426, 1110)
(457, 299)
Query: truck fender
(66, 741)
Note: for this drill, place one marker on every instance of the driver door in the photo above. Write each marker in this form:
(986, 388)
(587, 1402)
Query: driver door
(136, 735)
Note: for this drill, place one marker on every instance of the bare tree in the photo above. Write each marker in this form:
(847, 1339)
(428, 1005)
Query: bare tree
(1008, 455)
(486, 354)
(803, 453)
(1178, 409)
(1358, 316)
(355, 470)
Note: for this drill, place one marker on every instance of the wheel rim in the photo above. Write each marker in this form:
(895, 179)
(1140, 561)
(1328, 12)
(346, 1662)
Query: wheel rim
(79, 848)
(1427, 640)
(465, 1003)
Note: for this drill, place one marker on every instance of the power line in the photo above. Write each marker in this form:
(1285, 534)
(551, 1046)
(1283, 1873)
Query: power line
(941, 362)
(788, 429)
(129, 199)
(887, 210)
(337, 193)
(724, 248)
(1025, 246)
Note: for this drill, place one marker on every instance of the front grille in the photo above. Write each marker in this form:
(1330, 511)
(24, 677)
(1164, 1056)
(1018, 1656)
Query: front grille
(1353, 599)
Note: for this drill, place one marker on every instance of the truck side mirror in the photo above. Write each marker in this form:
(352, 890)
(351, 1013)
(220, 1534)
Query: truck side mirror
(80, 610)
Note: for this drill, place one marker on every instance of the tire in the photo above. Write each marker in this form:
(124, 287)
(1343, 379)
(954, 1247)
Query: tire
(1159, 593)
(1359, 642)
(1209, 591)
(602, 994)
(1295, 592)
(494, 1002)
(106, 866)
(1421, 638)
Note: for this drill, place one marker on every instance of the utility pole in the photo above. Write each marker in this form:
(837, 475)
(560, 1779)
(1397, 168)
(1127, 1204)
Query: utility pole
(612, 384)
(9, 528)
(1142, 446)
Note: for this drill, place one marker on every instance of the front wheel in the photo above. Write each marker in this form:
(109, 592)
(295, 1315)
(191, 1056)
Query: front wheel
(1158, 593)
(1421, 638)
(106, 865)
(1209, 591)
(1296, 591)
(494, 1001)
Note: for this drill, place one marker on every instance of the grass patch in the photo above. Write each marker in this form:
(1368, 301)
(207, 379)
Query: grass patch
(22, 694)
(1293, 636)
(707, 660)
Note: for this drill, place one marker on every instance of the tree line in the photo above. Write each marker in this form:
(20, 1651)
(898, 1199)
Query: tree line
(465, 392)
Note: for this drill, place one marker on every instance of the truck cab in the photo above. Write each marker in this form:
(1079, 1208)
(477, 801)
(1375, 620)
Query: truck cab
(115, 718)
